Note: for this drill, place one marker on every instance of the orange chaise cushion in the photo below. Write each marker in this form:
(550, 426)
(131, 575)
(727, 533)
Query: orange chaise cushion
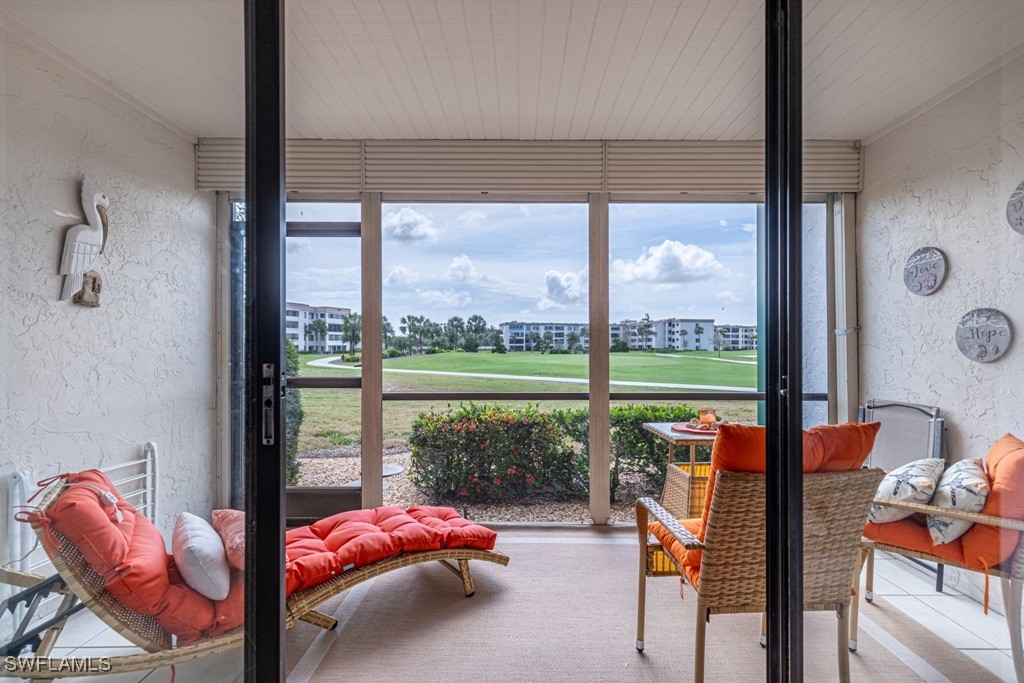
(909, 533)
(985, 545)
(131, 557)
(456, 531)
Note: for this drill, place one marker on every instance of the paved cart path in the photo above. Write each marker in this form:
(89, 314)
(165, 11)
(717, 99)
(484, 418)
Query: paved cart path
(717, 360)
(329, 363)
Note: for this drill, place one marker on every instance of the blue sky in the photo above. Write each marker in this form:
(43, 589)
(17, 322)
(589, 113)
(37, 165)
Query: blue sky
(529, 261)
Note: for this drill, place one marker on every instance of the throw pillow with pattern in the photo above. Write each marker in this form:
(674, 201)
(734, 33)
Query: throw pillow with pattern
(914, 482)
(964, 486)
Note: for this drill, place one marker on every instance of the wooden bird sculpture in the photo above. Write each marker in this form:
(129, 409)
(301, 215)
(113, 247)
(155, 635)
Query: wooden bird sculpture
(84, 243)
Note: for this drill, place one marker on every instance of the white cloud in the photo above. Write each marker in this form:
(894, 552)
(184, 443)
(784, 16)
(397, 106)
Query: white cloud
(525, 210)
(447, 298)
(728, 297)
(666, 287)
(564, 288)
(461, 269)
(409, 225)
(668, 262)
(723, 223)
(472, 219)
(749, 227)
(400, 275)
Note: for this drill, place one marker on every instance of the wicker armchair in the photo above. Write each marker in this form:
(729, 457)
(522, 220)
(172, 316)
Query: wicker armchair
(732, 572)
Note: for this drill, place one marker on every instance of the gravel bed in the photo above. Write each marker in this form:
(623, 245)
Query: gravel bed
(333, 467)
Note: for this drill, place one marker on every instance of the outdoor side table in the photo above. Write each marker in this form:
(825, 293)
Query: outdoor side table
(685, 482)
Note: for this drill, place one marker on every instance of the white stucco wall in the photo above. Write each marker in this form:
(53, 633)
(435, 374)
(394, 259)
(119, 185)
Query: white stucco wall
(943, 179)
(86, 387)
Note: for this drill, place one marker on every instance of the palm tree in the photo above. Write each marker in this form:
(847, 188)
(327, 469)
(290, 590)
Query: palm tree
(453, 331)
(720, 339)
(644, 330)
(698, 330)
(352, 330)
(413, 325)
(316, 330)
(572, 339)
(682, 334)
(387, 332)
(534, 339)
(477, 326)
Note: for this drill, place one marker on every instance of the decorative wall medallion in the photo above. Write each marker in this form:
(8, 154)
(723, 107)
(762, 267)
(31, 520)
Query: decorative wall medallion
(984, 335)
(1015, 209)
(924, 271)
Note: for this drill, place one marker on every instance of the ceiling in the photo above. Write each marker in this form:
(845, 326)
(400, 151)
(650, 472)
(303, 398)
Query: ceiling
(533, 69)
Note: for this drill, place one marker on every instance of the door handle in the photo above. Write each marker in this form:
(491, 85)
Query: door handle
(269, 401)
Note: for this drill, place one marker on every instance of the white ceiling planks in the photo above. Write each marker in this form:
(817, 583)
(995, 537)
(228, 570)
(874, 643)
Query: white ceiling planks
(532, 69)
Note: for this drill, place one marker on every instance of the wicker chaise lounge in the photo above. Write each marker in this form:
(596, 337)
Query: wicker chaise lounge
(77, 581)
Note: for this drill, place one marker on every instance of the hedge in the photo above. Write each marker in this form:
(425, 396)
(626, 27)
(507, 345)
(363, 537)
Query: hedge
(477, 453)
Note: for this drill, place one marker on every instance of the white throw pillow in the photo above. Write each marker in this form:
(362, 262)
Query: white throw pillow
(964, 486)
(914, 482)
(199, 554)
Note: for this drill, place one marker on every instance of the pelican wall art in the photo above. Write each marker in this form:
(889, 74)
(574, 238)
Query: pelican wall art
(82, 246)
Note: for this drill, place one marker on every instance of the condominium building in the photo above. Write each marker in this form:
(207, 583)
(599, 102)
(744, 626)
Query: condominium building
(298, 316)
(671, 333)
(737, 337)
(520, 336)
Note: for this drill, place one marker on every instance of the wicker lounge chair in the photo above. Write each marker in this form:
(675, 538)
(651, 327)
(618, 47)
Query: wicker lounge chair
(77, 581)
(732, 574)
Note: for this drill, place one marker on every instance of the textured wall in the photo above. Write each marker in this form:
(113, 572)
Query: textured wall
(86, 387)
(943, 179)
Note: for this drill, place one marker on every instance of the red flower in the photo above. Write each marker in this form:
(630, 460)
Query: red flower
(463, 492)
(497, 481)
(472, 427)
(511, 470)
(530, 479)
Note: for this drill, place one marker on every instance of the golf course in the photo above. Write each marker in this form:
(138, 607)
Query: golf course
(332, 415)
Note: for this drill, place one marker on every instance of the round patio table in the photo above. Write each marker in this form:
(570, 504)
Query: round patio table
(664, 431)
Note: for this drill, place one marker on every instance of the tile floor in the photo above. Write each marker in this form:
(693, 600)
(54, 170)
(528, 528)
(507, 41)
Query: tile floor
(952, 616)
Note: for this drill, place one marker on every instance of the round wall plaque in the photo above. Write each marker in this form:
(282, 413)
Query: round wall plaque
(1015, 209)
(924, 271)
(984, 335)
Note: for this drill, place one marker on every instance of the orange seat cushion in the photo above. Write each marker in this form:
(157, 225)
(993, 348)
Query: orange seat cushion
(685, 558)
(124, 547)
(455, 531)
(985, 545)
(911, 534)
(350, 540)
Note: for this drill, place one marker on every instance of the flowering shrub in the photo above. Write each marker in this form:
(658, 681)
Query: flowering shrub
(477, 453)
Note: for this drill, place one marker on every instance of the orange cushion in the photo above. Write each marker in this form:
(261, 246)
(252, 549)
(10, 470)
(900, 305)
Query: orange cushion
(456, 531)
(673, 547)
(909, 533)
(131, 556)
(985, 545)
(230, 526)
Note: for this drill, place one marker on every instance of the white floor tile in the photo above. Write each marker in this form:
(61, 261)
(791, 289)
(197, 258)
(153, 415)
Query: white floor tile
(971, 615)
(942, 626)
(995, 661)
(81, 627)
(222, 668)
(910, 578)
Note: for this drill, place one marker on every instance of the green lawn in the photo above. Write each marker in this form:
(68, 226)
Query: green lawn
(332, 415)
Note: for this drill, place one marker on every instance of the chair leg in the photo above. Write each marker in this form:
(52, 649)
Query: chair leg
(641, 600)
(842, 641)
(319, 619)
(855, 602)
(698, 645)
(869, 580)
(1011, 602)
(467, 578)
(763, 639)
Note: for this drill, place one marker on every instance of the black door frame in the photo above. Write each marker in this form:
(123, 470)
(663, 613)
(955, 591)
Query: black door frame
(265, 477)
(265, 249)
(784, 335)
